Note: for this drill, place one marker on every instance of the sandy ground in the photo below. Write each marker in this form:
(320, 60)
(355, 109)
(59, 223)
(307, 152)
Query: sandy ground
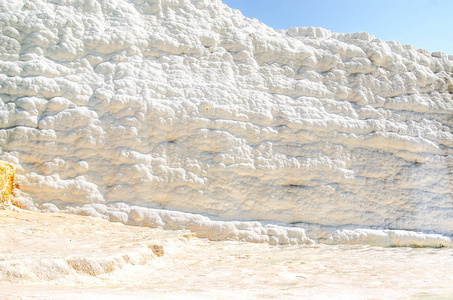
(58, 256)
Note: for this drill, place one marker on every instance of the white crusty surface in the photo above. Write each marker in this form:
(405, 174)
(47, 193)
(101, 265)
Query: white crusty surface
(189, 106)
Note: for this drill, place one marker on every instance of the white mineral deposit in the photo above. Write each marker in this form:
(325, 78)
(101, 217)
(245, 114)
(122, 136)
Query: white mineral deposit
(63, 256)
(186, 115)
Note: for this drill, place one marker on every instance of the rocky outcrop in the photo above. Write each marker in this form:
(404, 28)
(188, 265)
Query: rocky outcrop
(7, 182)
(189, 106)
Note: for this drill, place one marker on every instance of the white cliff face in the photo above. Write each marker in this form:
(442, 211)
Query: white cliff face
(116, 107)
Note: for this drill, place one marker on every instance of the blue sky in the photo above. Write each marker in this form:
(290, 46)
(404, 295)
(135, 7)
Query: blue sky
(427, 24)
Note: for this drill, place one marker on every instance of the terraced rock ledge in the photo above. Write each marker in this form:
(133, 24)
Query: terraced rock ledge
(40, 247)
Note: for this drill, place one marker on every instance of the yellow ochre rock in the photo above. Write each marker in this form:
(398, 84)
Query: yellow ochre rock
(7, 177)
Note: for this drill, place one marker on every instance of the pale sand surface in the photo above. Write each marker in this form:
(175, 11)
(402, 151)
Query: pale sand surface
(58, 256)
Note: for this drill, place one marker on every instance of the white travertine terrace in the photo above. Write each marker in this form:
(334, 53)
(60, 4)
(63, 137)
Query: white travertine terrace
(152, 112)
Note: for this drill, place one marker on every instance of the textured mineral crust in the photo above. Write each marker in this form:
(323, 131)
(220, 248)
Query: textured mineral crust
(7, 182)
(185, 113)
(63, 256)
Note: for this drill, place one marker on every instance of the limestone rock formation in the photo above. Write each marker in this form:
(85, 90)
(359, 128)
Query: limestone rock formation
(7, 182)
(131, 109)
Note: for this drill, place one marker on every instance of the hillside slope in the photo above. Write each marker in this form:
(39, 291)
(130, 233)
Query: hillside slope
(109, 108)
